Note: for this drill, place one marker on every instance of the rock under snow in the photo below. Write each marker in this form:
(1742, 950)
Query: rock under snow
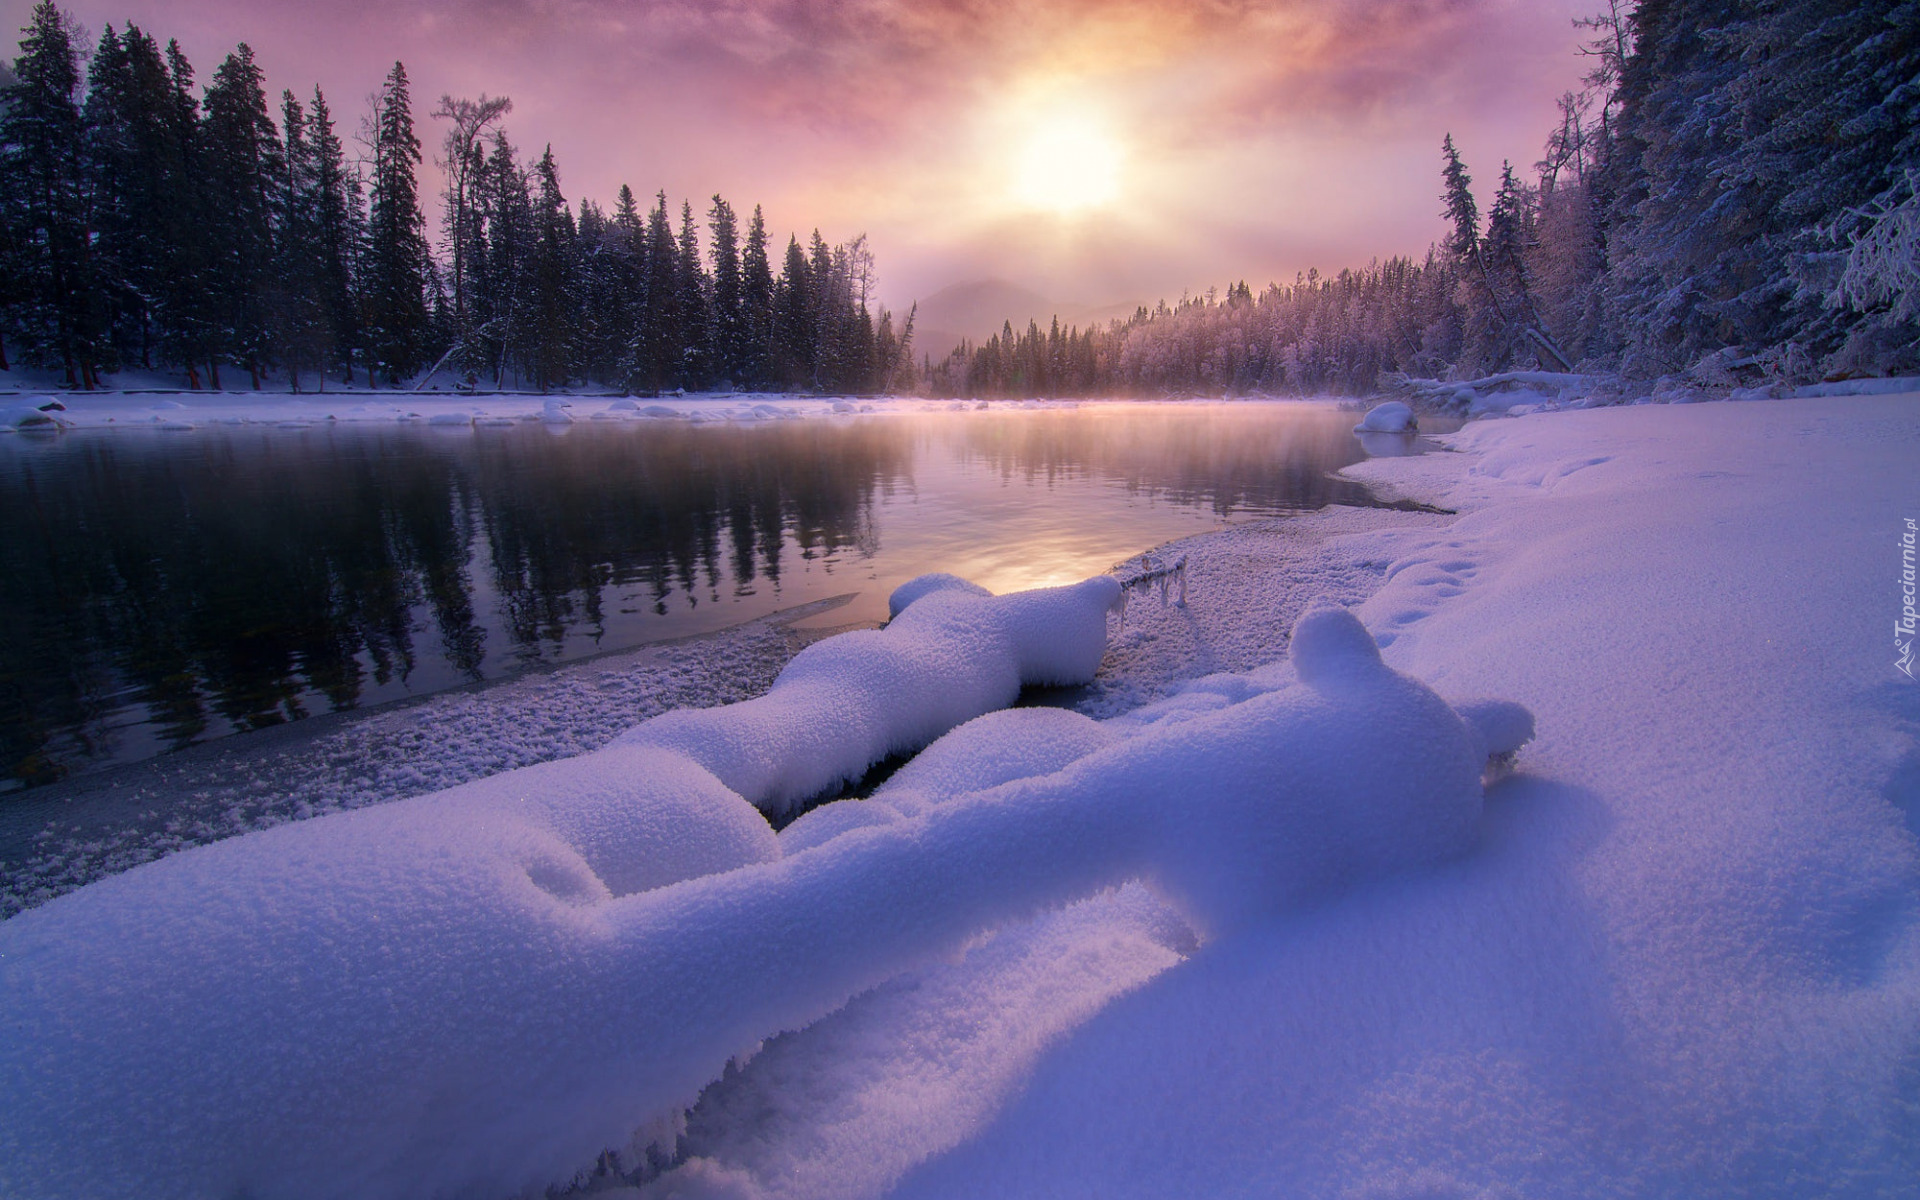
(1393, 416)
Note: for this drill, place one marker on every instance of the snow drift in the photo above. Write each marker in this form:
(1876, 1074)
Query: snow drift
(480, 991)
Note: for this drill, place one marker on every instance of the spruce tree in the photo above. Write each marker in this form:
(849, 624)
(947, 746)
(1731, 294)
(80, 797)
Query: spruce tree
(497, 286)
(626, 271)
(729, 338)
(302, 331)
(1461, 212)
(188, 333)
(552, 313)
(793, 321)
(395, 282)
(41, 160)
(110, 163)
(338, 232)
(240, 160)
(756, 304)
(660, 331)
(690, 279)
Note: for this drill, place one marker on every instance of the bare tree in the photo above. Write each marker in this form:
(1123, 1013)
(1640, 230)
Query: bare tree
(462, 158)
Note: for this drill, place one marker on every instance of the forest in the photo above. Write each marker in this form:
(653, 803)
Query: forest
(1732, 197)
(144, 225)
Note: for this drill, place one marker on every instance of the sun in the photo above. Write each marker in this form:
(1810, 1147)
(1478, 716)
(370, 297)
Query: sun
(1067, 163)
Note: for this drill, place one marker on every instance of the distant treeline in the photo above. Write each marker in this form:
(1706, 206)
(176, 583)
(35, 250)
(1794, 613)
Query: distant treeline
(1731, 197)
(142, 225)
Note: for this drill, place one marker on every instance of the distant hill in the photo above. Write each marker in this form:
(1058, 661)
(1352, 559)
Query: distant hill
(978, 309)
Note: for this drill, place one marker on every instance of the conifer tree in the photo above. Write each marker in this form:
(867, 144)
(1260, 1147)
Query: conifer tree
(660, 329)
(41, 160)
(756, 303)
(551, 312)
(793, 321)
(690, 279)
(624, 252)
(1461, 212)
(302, 333)
(729, 338)
(240, 160)
(396, 258)
(110, 163)
(498, 282)
(338, 230)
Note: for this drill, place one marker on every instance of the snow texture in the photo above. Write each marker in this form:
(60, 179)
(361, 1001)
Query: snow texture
(55, 839)
(1684, 960)
(950, 653)
(486, 988)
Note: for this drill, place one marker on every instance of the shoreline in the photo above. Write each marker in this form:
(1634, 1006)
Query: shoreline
(60, 837)
(64, 835)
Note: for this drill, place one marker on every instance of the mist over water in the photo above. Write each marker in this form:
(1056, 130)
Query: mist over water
(158, 590)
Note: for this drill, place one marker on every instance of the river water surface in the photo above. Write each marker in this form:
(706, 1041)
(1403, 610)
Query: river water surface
(161, 589)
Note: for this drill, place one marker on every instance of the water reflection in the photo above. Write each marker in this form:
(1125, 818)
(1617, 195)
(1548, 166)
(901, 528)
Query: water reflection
(160, 589)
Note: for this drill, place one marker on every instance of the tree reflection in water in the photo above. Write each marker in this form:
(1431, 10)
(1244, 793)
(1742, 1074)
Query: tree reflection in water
(158, 589)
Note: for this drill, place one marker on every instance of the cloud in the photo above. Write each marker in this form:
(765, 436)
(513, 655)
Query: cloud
(875, 67)
(1262, 137)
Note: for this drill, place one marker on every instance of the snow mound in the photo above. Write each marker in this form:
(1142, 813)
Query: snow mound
(991, 750)
(925, 585)
(482, 990)
(1860, 387)
(28, 415)
(847, 702)
(1390, 417)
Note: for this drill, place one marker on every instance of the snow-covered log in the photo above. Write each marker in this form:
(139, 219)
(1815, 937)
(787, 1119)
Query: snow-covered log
(1492, 393)
(478, 992)
(951, 653)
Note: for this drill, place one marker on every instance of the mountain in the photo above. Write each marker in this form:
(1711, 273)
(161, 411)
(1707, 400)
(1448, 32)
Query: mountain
(978, 309)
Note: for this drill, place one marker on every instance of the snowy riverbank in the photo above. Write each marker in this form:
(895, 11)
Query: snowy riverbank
(1681, 960)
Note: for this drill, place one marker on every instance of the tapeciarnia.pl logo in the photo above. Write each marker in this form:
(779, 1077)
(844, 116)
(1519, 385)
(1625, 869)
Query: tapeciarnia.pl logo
(1903, 628)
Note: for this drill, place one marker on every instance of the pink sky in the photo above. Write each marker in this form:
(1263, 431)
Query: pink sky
(1252, 139)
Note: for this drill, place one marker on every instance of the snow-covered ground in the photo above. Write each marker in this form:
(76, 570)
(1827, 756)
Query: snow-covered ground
(1253, 935)
(28, 410)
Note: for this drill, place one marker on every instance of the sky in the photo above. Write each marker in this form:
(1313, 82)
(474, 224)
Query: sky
(1097, 153)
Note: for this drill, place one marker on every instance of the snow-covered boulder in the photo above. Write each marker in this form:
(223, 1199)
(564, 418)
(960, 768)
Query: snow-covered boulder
(1392, 416)
(28, 414)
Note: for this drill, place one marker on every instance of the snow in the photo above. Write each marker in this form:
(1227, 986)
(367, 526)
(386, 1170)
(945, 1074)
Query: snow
(55, 839)
(950, 654)
(1859, 387)
(1254, 933)
(1392, 416)
(538, 986)
(1682, 960)
(108, 409)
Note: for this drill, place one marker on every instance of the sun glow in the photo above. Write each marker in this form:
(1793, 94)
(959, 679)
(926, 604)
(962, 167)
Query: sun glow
(1067, 163)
